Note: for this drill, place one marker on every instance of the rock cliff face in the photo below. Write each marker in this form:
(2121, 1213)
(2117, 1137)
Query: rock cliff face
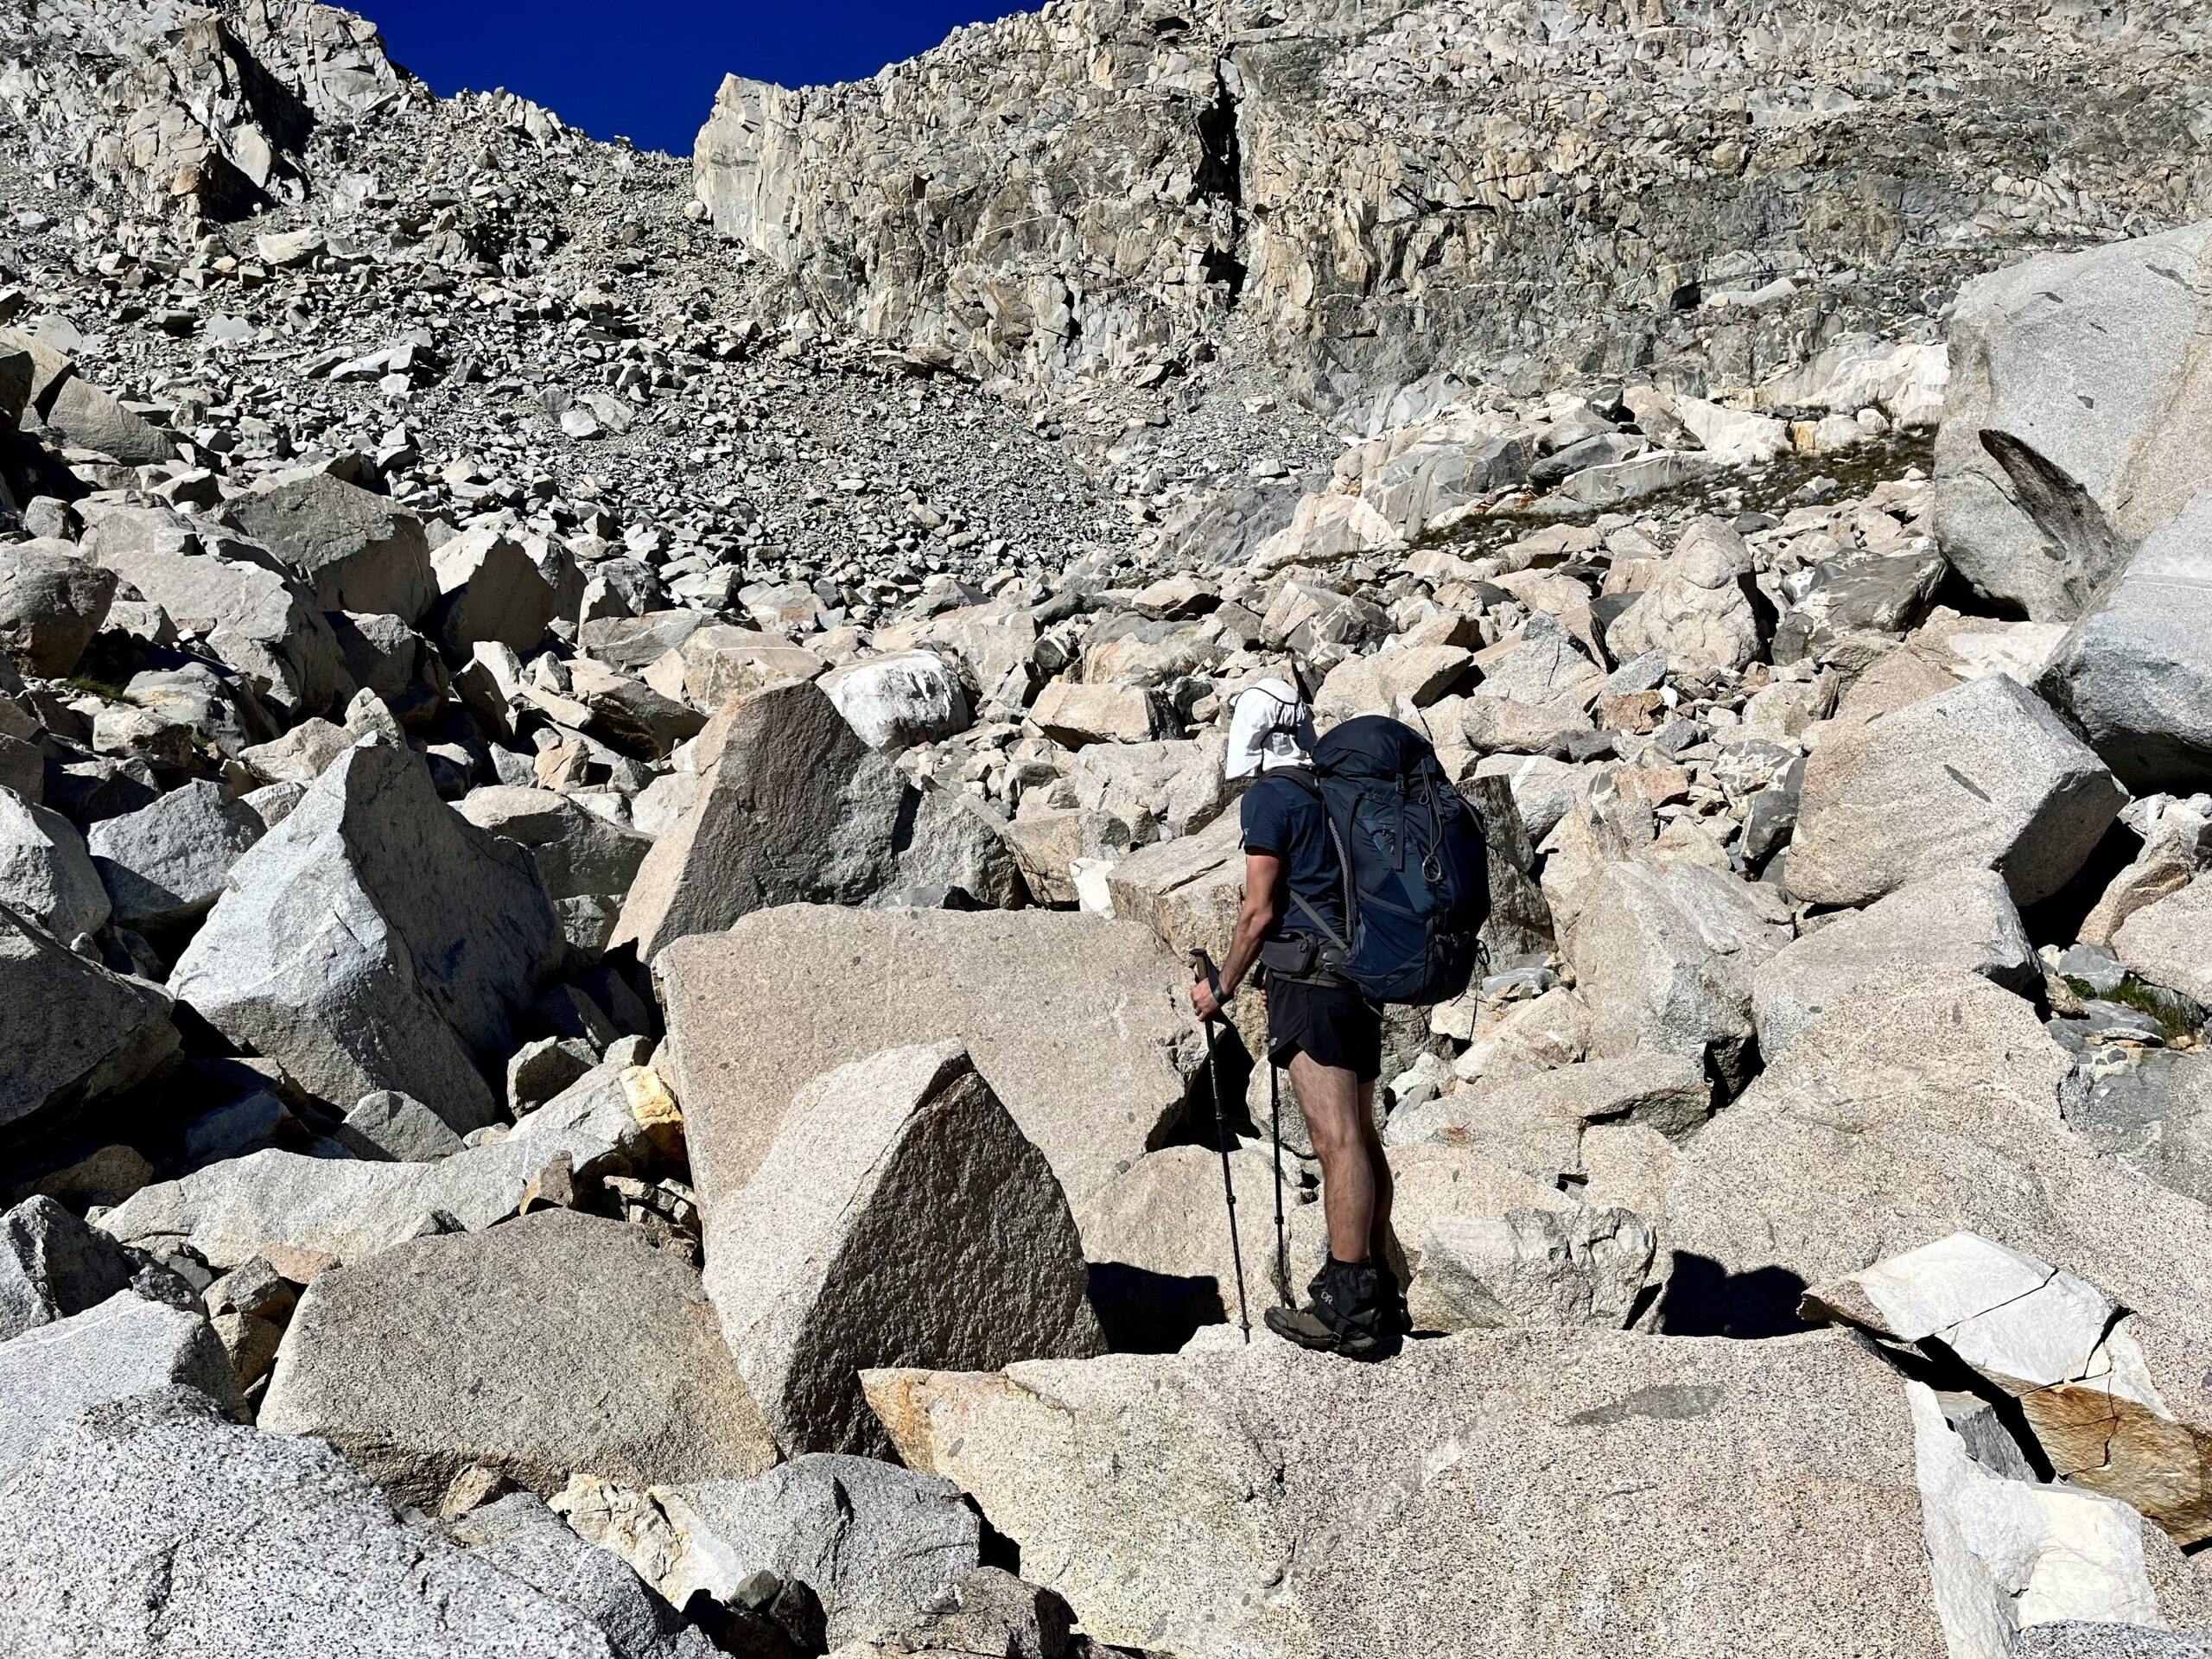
(167, 100)
(1493, 185)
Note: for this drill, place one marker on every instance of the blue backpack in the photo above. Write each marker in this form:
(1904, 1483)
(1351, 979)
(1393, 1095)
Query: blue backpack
(1416, 874)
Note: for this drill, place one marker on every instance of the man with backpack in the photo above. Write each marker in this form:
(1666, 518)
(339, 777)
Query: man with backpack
(1364, 883)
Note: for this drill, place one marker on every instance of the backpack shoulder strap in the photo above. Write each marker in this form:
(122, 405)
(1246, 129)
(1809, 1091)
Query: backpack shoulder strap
(1311, 783)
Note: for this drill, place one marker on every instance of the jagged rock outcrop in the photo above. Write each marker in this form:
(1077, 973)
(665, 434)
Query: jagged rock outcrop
(1387, 193)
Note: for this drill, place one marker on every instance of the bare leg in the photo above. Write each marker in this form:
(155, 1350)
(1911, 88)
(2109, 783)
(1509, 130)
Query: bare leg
(1335, 1106)
(1382, 1243)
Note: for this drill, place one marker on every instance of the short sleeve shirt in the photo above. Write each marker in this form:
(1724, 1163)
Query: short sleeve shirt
(1283, 817)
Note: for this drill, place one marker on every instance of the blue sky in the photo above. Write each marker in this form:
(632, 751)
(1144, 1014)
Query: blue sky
(649, 69)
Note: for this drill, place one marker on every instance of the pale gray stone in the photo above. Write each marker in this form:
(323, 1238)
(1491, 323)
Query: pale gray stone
(2082, 360)
(45, 872)
(556, 1344)
(2169, 941)
(894, 702)
(1923, 1104)
(1538, 1269)
(254, 616)
(1700, 611)
(613, 1121)
(1664, 955)
(1962, 919)
(373, 940)
(899, 1215)
(53, 1266)
(491, 592)
(1791, 1463)
(331, 1572)
(2134, 674)
(522, 1538)
(873, 1541)
(120, 1347)
(792, 807)
(387, 1124)
(1984, 774)
(167, 862)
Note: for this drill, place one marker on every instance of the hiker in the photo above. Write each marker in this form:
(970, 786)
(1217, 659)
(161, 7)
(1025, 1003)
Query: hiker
(1321, 1028)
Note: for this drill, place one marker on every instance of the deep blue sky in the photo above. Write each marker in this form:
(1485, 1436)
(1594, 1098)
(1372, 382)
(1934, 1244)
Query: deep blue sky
(648, 68)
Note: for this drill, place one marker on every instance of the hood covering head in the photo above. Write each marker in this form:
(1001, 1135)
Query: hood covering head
(1270, 728)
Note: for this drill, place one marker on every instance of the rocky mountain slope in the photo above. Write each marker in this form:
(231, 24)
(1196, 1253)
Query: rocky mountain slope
(608, 769)
(1499, 189)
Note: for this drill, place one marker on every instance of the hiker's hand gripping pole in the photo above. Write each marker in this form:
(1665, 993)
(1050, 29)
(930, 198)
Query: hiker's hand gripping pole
(1204, 966)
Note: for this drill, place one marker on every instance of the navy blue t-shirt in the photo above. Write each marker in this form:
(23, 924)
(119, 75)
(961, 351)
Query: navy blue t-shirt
(1283, 817)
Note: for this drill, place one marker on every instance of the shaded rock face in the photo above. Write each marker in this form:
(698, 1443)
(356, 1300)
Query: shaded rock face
(1387, 193)
(794, 808)
(2134, 675)
(71, 1032)
(1086, 1022)
(1204, 1502)
(375, 940)
(555, 1344)
(900, 1218)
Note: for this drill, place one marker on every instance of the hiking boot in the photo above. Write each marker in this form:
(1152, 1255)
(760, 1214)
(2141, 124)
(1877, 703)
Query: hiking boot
(1397, 1317)
(1348, 1315)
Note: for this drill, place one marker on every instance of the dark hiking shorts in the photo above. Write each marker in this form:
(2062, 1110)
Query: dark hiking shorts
(1332, 1025)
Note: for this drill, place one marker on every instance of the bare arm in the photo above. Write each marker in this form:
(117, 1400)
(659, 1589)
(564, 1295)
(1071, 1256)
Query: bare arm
(1262, 905)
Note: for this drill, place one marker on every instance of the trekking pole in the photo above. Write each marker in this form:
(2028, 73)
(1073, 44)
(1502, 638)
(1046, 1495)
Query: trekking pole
(1282, 1240)
(1203, 963)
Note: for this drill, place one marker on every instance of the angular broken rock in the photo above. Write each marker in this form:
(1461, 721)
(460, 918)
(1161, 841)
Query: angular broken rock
(873, 1541)
(1155, 1276)
(375, 940)
(1984, 775)
(1963, 919)
(1077, 714)
(54, 1266)
(2056, 1344)
(1701, 611)
(894, 702)
(1198, 1502)
(2008, 1553)
(522, 1537)
(793, 808)
(2073, 401)
(2134, 675)
(71, 1032)
(615, 1121)
(587, 863)
(119, 1348)
(1087, 1022)
(1926, 1104)
(160, 1476)
(1664, 955)
(254, 617)
(53, 600)
(353, 550)
(2169, 941)
(1535, 1267)
(556, 1344)
(167, 862)
(491, 592)
(45, 873)
(899, 1216)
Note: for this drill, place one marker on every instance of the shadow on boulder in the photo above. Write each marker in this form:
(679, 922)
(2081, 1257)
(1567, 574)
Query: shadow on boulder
(1703, 1299)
